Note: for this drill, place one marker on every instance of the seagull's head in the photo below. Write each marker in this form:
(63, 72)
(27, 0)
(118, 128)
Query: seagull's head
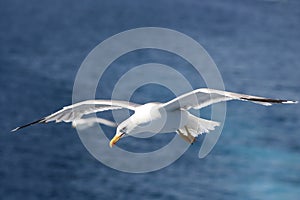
(140, 121)
(120, 133)
(124, 128)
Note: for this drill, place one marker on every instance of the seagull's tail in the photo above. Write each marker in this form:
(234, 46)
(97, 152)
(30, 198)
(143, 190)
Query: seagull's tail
(196, 126)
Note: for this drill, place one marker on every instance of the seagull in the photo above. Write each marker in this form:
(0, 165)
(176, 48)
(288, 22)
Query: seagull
(155, 117)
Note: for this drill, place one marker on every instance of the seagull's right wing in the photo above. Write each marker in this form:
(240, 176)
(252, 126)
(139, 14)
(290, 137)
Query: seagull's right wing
(77, 110)
(203, 97)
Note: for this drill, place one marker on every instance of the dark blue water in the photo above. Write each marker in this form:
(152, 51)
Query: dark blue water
(256, 46)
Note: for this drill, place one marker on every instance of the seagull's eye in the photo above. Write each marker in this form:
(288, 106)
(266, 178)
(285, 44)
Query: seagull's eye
(123, 130)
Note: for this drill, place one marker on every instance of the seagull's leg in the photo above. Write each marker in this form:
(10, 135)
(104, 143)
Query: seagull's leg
(186, 138)
(187, 130)
(191, 138)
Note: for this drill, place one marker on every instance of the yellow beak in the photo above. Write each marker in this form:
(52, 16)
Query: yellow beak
(115, 139)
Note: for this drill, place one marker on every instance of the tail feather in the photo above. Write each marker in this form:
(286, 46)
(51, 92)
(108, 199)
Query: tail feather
(196, 126)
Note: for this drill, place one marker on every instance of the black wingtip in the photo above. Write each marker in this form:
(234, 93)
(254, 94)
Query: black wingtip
(266, 100)
(35, 122)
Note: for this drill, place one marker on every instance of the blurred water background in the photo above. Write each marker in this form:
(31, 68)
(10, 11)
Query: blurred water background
(255, 45)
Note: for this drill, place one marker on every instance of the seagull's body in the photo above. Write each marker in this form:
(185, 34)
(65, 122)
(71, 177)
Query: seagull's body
(172, 116)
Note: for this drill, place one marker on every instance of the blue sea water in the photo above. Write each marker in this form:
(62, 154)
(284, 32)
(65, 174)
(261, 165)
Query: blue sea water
(255, 44)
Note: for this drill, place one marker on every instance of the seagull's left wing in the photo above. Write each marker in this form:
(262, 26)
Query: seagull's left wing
(77, 110)
(203, 97)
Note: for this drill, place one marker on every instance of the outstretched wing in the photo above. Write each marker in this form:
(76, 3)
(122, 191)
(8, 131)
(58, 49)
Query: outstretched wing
(203, 97)
(77, 110)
